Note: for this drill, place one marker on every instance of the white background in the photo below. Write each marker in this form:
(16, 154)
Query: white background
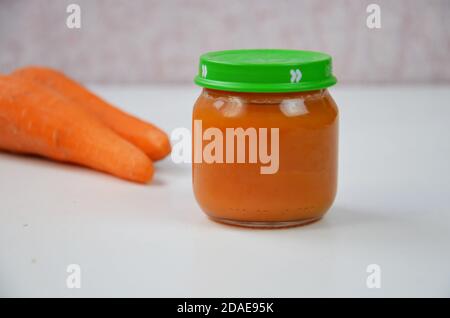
(392, 209)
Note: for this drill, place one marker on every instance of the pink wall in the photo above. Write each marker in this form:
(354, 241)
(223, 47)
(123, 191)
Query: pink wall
(160, 41)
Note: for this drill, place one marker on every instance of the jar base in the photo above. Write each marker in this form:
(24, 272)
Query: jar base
(266, 224)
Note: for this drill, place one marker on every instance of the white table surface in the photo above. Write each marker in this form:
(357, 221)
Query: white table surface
(392, 209)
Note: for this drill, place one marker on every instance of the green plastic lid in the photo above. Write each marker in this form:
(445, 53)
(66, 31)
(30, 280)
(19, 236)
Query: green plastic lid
(265, 70)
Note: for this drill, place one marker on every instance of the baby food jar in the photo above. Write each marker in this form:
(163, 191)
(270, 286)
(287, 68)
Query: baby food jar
(265, 137)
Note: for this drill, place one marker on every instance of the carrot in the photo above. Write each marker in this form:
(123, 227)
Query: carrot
(36, 120)
(152, 140)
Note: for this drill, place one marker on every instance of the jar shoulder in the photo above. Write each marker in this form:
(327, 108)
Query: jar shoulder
(306, 108)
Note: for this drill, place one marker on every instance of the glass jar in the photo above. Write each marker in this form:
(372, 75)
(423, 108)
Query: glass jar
(265, 135)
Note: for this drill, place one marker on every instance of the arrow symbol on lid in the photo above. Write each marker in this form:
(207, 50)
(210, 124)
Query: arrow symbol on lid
(204, 71)
(296, 76)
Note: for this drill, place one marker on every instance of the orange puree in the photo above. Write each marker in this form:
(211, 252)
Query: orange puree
(304, 186)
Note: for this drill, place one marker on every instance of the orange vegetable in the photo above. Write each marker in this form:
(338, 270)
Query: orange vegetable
(36, 120)
(152, 140)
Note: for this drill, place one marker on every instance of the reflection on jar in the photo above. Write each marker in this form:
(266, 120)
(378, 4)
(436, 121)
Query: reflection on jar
(293, 107)
(229, 107)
